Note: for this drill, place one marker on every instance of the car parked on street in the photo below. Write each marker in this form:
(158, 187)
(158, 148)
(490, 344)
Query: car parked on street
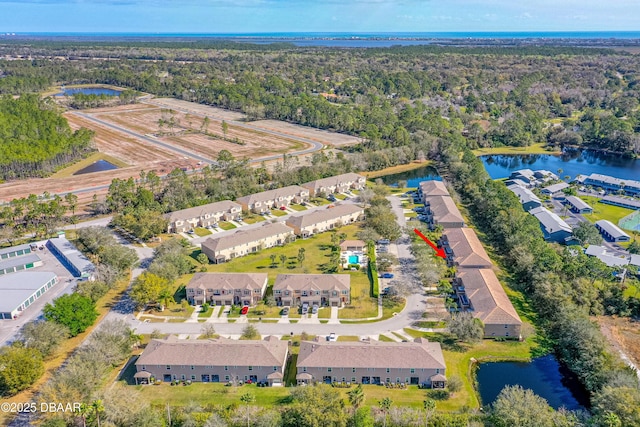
(387, 276)
(244, 310)
(332, 337)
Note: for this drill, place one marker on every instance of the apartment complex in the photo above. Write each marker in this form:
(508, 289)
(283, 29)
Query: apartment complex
(440, 209)
(202, 216)
(273, 199)
(244, 242)
(227, 288)
(308, 224)
(372, 362)
(336, 184)
(463, 249)
(322, 289)
(554, 228)
(527, 197)
(213, 360)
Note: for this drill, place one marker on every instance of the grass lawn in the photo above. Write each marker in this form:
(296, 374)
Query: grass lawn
(340, 196)
(539, 148)
(201, 232)
(395, 169)
(204, 314)
(278, 212)
(226, 225)
(70, 170)
(385, 338)
(252, 218)
(349, 338)
(319, 201)
(317, 257)
(298, 208)
(604, 211)
(410, 214)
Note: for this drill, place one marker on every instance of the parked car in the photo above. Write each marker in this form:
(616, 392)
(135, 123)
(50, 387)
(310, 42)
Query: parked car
(332, 337)
(314, 309)
(283, 208)
(387, 275)
(331, 198)
(384, 241)
(383, 250)
(305, 308)
(244, 310)
(285, 311)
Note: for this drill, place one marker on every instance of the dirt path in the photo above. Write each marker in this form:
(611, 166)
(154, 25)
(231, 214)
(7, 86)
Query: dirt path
(623, 336)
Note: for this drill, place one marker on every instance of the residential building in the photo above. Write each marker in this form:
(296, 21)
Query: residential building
(524, 175)
(19, 263)
(553, 227)
(202, 216)
(554, 188)
(611, 231)
(441, 210)
(480, 292)
(227, 288)
(611, 184)
(317, 221)
(372, 362)
(578, 205)
(463, 249)
(623, 202)
(322, 289)
(634, 259)
(20, 290)
(432, 188)
(214, 360)
(510, 182)
(603, 255)
(353, 246)
(244, 242)
(273, 199)
(543, 174)
(527, 197)
(335, 184)
(78, 264)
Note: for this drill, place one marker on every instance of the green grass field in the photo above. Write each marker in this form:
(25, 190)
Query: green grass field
(226, 225)
(604, 211)
(539, 148)
(298, 208)
(201, 232)
(278, 212)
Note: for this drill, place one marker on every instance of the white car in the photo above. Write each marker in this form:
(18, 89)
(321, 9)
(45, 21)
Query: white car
(332, 337)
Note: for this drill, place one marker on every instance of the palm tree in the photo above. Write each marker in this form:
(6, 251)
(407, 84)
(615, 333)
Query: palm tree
(356, 397)
(283, 259)
(385, 405)
(429, 406)
(82, 412)
(166, 296)
(97, 408)
(273, 258)
(301, 255)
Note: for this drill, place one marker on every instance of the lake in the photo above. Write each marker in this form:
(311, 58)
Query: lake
(413, 177)
(99, 166)
(544, 375)
(572, 163)
(89, 91)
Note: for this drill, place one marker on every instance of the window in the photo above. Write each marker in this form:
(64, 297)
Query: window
(226, 377)
(388, 370)
(328, 369)
(193, 377)
(413, 371)
(251, 368)
(275, 368)
(437, 371)
(304, 369)
(192, 367)
(354, 370)
(183, 377)
(506, 326)
(168, 367)
(144, 368)
(226, 368)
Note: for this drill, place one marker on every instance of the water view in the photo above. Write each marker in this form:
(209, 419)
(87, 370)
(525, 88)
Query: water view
(572, 163)
(544, 375)
(413, 177)
(99, 166)
(89, 91)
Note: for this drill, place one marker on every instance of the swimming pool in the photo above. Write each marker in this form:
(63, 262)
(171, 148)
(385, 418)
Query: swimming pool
(353, 259)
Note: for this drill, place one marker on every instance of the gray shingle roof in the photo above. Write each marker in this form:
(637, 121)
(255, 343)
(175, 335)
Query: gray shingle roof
(315, 282)
(420, 354)
(214, 352)
(433, 188)
(246, 236)
(333, 181)
(524, 194)
(322, 215)
(292, 190)
(228, 281)
(444, 209)
(198, 211)
(489, 301)
(466, 247)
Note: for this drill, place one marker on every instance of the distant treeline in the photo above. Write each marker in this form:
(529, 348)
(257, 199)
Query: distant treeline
(35, 139)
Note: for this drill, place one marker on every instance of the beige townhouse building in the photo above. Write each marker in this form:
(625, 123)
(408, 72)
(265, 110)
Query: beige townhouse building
(332, 290)
(202, 216)
(213, 360)
(273, 199)
(244, 242)
(227, 288)
(372, 362)
(336, 184)
(463, 249)
(317, 221)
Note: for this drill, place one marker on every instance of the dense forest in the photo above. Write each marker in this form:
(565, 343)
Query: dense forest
(35, 139)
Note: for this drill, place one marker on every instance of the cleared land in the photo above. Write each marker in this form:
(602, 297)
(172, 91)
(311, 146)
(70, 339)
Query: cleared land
(539, 148)
(319, 135)
(623, 336)
(192, 107)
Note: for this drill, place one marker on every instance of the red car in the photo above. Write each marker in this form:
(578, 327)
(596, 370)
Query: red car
(283, 208)
(244, 310)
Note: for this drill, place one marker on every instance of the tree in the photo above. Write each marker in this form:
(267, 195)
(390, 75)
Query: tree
(464, 326)
(225, 128)
(283, 259)
(634, 247)
(250, 332)
(208, 331)
(45, 337)
(361, 418)
(587, 234)
(517, 407)
(75, 311)
(429, 406)
(149, 288)
(97, 408)
(623, 402)
(385, 406)
(356, 396)
(20, 367)
(248, 399)
(301, 255)
(314, 407)
(203, 258)
(273, 257)
(454, 384)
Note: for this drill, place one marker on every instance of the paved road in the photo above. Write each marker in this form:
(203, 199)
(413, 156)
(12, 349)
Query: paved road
(415, 307)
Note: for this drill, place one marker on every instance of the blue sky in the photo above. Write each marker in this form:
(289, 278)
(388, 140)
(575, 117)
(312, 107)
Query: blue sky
(251, 16)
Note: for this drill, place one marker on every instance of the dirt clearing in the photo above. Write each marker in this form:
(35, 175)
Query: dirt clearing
(323, 136)
(623, 336)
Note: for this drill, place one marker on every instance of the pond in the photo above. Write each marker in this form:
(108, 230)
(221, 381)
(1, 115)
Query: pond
(572, 163)
(89, 91)
(413, 177)
(99, 166)
(544, 375)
